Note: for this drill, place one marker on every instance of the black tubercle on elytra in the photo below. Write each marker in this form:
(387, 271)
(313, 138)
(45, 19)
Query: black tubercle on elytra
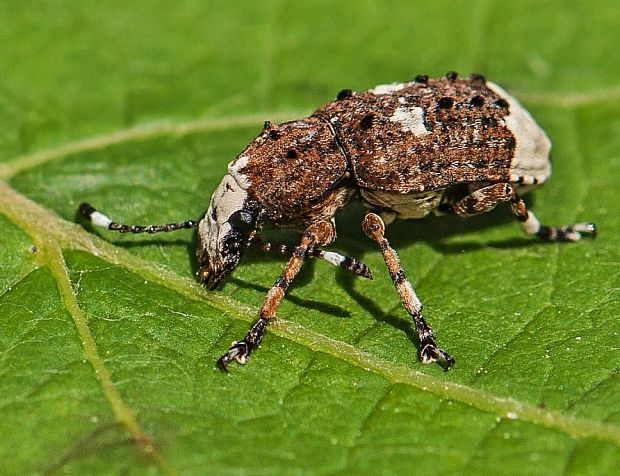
(421, 78)
(344, 94)
(477, 77)
(477, 101)
(488, 121)
(452, 75)
(501, 103)
(366, 122)
(445, 102)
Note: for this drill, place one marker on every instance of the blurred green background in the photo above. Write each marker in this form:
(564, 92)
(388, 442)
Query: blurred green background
(71, 69)
(166, 93)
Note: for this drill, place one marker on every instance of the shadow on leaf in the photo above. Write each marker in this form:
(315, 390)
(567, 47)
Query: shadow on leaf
(320, 306)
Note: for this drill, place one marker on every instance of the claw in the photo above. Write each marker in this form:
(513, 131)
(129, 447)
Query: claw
(577, 231)
(222, 365)
(239, 351)
(585, 228)
(431, 353)
(568, 232)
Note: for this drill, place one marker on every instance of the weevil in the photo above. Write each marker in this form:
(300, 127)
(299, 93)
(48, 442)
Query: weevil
(442, 146)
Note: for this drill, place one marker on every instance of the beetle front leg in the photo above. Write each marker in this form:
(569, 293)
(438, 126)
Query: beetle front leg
(429, 352)
(318, 234)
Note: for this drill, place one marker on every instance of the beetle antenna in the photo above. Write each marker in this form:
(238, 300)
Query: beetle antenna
(347, 263)
(101, 220)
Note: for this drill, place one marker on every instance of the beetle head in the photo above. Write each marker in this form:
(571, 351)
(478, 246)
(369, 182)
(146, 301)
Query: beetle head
(225, 231)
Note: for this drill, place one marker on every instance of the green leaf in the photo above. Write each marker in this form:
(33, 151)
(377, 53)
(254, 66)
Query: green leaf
(108, 343)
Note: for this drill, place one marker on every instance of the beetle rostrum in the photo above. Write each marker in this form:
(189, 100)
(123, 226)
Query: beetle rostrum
(450, 145)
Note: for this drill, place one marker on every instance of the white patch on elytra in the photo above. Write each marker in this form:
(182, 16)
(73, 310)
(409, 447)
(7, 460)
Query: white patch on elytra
(530, 162)
(388, 88)
(228, 198)
(411, 119)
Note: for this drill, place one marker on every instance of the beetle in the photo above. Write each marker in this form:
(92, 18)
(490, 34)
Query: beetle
(448, 145)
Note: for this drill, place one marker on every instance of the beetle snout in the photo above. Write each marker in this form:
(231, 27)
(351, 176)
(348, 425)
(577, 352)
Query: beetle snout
(208, 273)
(211, 279)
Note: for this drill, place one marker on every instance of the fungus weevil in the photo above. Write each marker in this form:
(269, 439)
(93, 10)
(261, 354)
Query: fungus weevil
(446, 145)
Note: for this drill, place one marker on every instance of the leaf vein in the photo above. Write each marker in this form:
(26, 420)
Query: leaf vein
(41, 222)
(141, 132)
(363, 427)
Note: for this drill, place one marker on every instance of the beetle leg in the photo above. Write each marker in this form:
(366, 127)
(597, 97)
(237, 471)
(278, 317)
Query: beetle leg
(321, 233)
(347, 263)
(429, 352)
(487, 198)
(483, 200)
(531, 225)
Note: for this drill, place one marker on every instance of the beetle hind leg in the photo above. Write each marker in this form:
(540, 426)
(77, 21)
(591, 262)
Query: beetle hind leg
(429, 352)
(531, 225)
(487, 198)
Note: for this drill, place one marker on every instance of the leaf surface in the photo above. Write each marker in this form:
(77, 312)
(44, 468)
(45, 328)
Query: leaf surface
(107, 343)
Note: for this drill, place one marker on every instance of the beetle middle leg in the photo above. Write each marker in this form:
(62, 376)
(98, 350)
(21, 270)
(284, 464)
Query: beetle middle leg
(429, 352)
(318, 234)
(347, 263)
(487, 198)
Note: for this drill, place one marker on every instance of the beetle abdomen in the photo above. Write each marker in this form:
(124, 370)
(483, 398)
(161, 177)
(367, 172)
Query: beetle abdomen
(404, 206)
(430, 134)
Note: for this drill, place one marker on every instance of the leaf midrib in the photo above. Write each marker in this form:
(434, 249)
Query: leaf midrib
(50, 255)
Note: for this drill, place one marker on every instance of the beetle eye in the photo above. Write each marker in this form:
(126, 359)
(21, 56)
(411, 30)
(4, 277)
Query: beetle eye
(242, 221)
